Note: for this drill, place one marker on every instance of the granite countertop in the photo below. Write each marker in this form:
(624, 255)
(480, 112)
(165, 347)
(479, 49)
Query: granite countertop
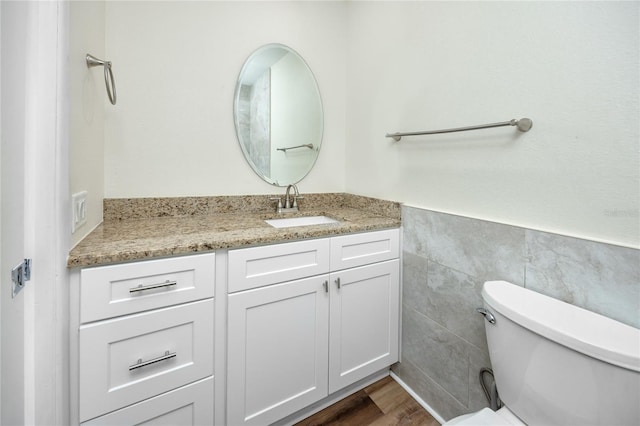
(147, 228)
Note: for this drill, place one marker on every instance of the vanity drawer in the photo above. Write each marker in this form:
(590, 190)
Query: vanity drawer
(128, 359)
(349, 251)
(114, 290)
(189, 405)
(259, 266)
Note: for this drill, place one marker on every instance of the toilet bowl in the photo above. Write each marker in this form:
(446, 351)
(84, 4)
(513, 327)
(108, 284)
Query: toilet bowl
(557, 364)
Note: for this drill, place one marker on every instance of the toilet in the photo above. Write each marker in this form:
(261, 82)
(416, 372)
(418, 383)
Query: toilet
(557, 364)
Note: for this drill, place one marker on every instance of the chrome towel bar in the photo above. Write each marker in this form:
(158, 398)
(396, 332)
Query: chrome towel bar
(524, 125)
(109, 81)
(307, 145)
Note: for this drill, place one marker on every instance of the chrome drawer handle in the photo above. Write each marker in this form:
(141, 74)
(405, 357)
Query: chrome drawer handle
(167, 355)
(141, 287)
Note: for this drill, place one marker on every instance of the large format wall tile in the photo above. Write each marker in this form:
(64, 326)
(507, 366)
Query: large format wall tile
(449, 298)
(602, 278)
(484, 250)
(415, 292)
(415, 231)
(439, 353)
(452, 299)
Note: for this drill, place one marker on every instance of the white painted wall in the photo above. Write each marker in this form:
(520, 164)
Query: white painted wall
(387, 66)
(572, 67)
(89, 104)
(176, 66)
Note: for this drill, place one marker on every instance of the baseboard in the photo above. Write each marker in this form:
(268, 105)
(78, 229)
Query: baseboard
(415, 396)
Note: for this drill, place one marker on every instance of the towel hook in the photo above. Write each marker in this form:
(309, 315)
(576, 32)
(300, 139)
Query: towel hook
(109, 81)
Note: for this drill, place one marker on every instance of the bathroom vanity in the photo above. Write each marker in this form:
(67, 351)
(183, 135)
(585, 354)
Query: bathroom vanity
(238, 309)
(218, 318)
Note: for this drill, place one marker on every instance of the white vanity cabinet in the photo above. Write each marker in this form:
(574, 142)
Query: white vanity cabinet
(142, 342)
(363, 322)
(277, 350)
(365, 305)
(308, 318)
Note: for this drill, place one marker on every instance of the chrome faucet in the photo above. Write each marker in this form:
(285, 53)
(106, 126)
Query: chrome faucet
(288, 204)
(290, 200)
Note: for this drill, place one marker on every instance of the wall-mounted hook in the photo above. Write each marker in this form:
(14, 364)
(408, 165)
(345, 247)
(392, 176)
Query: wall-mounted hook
(109, 81)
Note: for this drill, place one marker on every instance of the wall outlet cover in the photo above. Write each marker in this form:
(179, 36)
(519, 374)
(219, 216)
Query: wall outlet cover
(78, 210)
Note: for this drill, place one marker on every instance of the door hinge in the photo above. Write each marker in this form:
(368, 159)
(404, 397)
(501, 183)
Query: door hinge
(20, 275)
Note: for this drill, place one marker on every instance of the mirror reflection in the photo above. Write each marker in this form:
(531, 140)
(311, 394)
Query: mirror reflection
(278, 115)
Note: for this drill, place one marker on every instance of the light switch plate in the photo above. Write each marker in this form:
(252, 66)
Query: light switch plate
(78, 210)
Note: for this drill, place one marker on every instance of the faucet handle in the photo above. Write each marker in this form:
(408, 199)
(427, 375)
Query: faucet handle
(279, 206)
(295, 200)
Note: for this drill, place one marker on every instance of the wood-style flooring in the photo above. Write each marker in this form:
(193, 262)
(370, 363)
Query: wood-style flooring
(383, 403)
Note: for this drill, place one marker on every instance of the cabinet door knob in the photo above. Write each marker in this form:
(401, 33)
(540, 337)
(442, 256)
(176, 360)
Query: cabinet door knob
(326, 286)
(338, 282)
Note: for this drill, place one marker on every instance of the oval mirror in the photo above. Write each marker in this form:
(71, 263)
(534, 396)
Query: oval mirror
(278, 114)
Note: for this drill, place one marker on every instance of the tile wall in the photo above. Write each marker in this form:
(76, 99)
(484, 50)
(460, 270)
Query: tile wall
(254, 122)
(446, 260)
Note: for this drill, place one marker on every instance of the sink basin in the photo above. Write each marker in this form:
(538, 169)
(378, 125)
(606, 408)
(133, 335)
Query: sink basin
(300, 221)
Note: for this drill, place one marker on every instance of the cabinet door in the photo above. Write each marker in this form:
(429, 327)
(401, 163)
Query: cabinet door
(189, 405)
(364, 319)
(277, 350)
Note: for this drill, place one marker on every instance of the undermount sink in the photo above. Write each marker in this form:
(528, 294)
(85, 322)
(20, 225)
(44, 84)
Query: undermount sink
(300, 221)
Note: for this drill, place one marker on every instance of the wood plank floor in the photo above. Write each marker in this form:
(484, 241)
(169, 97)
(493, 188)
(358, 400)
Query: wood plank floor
(383, 403)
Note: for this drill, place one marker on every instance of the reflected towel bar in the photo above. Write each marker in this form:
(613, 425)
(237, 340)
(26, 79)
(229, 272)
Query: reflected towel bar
(109, 81)
(308, 145)
(524, 125)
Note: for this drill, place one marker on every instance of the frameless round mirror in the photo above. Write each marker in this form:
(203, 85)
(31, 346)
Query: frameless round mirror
(278, 114)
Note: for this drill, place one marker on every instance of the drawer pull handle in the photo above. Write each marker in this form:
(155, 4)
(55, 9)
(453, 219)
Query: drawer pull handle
(338, 282)
(326, 286)
(167, 355)
(141, 287)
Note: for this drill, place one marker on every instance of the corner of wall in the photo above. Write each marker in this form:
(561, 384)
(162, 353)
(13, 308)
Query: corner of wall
(87, 115)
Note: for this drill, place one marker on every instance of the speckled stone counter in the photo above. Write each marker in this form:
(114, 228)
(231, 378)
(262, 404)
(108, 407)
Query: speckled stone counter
(146, 228)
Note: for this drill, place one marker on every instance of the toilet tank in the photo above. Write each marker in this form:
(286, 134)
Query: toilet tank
(557, 364)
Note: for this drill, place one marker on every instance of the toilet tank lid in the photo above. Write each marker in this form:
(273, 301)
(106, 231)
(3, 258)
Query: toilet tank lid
(584, 331)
